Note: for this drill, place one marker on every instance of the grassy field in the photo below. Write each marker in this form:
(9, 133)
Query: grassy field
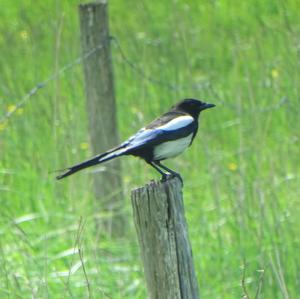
(242, 189)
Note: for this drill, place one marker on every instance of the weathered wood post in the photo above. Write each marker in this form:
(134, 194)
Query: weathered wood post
(163, 238)
(101, 106)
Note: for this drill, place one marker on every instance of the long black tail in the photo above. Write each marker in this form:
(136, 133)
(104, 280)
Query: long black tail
(116, 152)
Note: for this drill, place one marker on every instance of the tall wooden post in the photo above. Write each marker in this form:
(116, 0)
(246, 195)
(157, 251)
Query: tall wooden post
(163, 238)
(101, 105)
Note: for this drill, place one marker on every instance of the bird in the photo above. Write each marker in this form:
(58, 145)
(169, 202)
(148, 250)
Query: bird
(165, 137)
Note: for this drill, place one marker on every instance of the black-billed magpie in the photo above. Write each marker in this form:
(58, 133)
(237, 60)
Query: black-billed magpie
(166, 137)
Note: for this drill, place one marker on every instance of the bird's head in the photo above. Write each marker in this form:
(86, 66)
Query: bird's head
(192, 106)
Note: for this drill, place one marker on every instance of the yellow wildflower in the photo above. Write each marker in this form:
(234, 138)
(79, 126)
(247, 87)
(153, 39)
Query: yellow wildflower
(84, 145)
(24, 35)
(274, 73)
(11, 108)
(3, 125)
(232, 166)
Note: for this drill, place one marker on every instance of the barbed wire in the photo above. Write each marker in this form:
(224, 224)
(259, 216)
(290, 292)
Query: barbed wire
(79, 60)
(42, 84)
(150, 79)
(202, 85)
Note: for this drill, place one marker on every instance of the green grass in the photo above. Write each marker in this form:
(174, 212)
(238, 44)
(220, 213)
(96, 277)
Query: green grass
(241, 191)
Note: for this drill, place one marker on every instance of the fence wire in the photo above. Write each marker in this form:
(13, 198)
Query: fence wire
(44, 83)
(134, 67)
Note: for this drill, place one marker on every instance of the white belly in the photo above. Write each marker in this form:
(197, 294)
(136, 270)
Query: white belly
(171, 149)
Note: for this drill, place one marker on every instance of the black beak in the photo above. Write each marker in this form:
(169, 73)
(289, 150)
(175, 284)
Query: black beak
(206, 106)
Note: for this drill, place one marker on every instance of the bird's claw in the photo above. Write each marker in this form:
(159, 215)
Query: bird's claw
(165, 177)
(168, 176)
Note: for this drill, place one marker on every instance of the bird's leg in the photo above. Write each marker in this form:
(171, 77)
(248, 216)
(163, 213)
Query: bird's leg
(169, 170)
(164, 175)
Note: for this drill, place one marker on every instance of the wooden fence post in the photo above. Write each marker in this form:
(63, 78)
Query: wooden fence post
(101, 106)
(163, 238)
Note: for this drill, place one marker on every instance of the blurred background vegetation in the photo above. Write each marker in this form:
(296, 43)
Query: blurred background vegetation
(242, 195)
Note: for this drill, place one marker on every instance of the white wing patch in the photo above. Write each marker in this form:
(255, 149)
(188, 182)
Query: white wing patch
(172, 148)
(177, 123)
(165, 150)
